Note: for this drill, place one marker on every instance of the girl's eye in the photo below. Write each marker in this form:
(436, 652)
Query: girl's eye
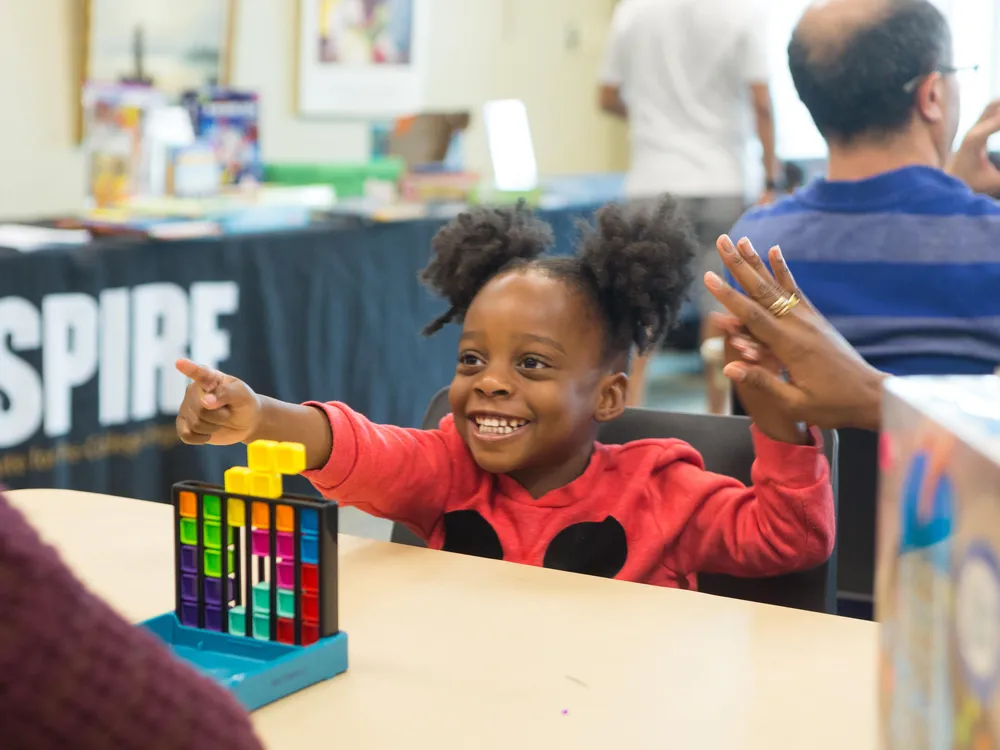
(533, 363)
(469, 360)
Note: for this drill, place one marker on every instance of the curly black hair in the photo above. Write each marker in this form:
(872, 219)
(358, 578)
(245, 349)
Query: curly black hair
(633, 265)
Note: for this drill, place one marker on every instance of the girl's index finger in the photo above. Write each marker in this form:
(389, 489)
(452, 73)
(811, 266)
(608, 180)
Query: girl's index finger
(206, 378)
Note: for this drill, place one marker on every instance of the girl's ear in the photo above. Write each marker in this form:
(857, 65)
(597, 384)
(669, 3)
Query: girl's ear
(611, 399)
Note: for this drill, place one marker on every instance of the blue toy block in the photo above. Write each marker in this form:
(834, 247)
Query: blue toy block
(309, 549)
(309, 522)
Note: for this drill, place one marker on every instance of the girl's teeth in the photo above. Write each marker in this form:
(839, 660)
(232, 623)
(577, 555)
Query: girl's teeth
(498, 426)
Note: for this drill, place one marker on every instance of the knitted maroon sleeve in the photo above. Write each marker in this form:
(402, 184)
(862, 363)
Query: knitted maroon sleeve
(75, 674)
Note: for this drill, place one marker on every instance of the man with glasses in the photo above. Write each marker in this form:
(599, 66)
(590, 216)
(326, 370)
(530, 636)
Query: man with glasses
(892, 246)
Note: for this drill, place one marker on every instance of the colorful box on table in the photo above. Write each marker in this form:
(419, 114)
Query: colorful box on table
(938, 564)
(256, 580)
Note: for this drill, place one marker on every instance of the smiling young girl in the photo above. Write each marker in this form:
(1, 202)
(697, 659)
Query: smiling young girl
(515, 471)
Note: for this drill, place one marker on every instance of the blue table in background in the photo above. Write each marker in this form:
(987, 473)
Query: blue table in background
(87, 336)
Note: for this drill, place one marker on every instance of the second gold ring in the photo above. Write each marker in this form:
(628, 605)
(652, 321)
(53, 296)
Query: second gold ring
(783, 305)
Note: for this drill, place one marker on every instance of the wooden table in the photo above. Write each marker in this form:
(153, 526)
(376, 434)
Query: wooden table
(458, 652)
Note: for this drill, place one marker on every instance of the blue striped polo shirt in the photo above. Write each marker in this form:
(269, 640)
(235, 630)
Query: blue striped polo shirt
(906, 265)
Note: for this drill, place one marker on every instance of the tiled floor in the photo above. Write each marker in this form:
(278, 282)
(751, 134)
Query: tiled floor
(675, 384)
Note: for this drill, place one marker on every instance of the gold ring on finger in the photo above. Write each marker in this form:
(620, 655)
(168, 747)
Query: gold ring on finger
(783, 305)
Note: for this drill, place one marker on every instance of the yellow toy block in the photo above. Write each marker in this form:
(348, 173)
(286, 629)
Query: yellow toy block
(260, 455)
(236, 514)
(265, 484)
(238, 480)
(291, 458)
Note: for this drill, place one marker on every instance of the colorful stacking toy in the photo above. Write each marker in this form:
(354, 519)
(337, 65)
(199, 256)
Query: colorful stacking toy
(256, 580)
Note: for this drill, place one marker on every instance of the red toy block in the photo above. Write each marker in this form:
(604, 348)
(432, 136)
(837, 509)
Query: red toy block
(286, 631)
(310, 578)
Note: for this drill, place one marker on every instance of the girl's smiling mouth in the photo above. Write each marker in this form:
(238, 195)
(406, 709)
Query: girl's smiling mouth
(494, 427)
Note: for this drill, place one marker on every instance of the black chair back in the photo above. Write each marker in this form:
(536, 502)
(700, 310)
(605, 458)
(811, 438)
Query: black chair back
(856, 560)
(727, 448)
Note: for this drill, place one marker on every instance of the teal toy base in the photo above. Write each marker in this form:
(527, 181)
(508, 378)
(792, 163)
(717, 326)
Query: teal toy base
(256, 672)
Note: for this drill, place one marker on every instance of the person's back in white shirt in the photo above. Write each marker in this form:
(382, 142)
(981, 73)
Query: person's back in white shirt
(683, 70)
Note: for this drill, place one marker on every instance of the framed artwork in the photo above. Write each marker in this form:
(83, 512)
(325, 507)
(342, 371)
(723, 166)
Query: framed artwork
(173, 45)
(361, 58)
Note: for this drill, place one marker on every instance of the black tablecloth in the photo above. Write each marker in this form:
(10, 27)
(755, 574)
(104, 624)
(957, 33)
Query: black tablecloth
(88, 336)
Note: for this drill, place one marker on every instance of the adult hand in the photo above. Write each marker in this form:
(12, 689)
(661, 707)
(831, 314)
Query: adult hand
(829, 385)
(971, 163)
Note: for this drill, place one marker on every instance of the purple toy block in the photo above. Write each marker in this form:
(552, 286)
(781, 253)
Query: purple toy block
(189, 558)
(189, 614)
(213, 618)
(286, 546)
(213, 589)
(189, 588)
(261, 542)
(286, 574)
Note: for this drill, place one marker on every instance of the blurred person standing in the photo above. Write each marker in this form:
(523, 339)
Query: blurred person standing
(691, 79)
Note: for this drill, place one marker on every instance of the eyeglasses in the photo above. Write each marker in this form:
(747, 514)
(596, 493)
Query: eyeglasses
(910, 86)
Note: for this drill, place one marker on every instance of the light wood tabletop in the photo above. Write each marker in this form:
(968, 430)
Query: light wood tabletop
(457, 652)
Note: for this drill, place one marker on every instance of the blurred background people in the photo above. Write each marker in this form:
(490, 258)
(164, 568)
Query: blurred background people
(691, 78)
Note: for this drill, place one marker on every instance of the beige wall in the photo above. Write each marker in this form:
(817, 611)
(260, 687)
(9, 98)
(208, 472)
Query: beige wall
(41, 171)
(545, 52)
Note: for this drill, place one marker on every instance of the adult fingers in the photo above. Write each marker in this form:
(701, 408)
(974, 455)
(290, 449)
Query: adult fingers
(762, 325)
(987, 124)
(743, 263)
(749, 254)
(783, 275)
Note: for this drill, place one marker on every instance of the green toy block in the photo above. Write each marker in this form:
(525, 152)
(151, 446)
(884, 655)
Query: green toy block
(213, 535)
(211, 507)
(213, 562)
(189, 531)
